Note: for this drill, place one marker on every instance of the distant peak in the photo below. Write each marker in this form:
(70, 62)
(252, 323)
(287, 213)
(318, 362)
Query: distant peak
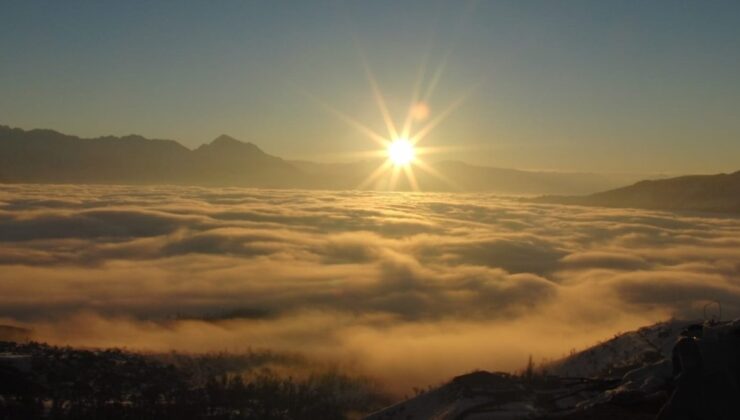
(229, 144)
(225, 139)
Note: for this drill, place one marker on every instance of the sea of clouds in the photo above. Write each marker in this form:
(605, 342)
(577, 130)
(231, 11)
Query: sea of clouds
(409, 288)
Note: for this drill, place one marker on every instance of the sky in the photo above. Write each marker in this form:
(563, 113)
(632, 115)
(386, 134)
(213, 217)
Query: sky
(627, 86)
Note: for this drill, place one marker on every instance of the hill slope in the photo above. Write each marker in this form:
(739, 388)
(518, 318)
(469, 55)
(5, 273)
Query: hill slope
(627, 377)
(715, 193)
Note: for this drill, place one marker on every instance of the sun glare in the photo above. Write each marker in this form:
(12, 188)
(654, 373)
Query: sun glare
(401, 152)
(399, 143)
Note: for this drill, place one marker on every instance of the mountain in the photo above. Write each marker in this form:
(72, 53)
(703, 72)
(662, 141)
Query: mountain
(712, 193)
(47, 156)
(227, 161)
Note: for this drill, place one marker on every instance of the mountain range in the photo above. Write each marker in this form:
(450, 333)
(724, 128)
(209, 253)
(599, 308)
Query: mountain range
(47, 156)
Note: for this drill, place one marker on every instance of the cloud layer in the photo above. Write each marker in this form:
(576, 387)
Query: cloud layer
(411, 288)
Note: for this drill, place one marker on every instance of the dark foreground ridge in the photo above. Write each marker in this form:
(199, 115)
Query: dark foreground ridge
(670, 371)
(38, 381)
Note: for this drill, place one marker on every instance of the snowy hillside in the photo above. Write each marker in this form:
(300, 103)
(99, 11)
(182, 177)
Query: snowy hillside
(624, 377)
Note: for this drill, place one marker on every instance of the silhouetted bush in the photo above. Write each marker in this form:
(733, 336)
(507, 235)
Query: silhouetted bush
(67, 383)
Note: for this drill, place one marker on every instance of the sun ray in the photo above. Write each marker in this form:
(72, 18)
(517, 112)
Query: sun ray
(436, 77)
(379, 100)
(375, 154)
(383, 141)
(411, 177)
(429, 169)
(438, 119)
(395, 172)
(421, 72)
(373, 176)
(433, 150)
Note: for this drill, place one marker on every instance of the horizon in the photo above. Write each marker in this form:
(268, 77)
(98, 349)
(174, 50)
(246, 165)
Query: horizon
(349, 160)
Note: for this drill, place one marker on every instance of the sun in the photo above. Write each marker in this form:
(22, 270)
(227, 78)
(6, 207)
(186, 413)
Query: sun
(401, 144)
(401, 152)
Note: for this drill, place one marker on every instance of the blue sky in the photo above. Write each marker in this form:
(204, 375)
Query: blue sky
(622, 86)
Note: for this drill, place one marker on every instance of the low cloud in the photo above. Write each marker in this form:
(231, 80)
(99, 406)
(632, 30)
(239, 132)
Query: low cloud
(410, 288)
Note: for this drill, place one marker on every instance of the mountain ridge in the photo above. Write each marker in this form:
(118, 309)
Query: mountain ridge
(48, 156)
(703, 193)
